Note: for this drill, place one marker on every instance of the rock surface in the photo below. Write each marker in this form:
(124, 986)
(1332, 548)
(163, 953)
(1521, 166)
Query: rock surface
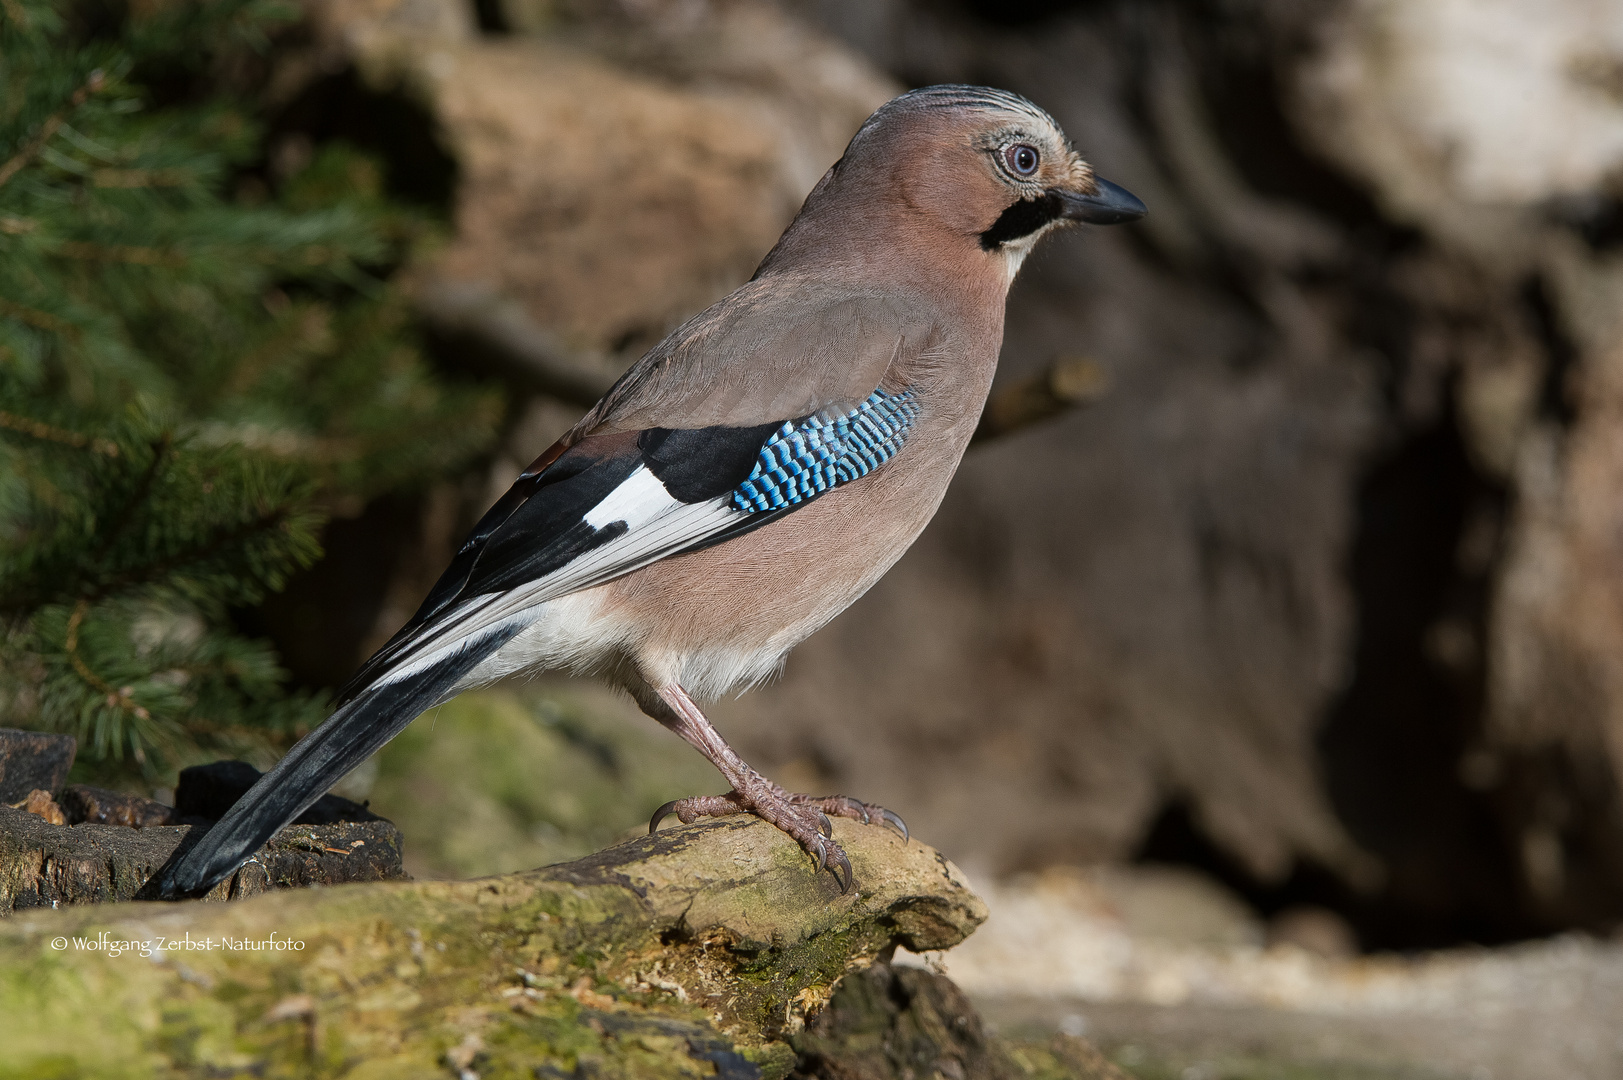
(692, 952)
(46, 865)
(85, 804)
(208, 791)
(580, 769)
(649, 155)
(896, 1023)
(33, 760)
(41, 805)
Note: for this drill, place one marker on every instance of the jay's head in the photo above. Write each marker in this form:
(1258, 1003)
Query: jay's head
(967, 173)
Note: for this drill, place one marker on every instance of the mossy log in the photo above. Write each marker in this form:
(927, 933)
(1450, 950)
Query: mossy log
(695, 952)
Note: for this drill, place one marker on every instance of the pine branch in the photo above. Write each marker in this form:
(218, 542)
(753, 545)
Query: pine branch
(51, 433)
(40, 320)
(119, 699)
(171, 520)
(140, 178)
(215, 544)
(32, 148)
(155, 572)
(114, 529)
(125, 253)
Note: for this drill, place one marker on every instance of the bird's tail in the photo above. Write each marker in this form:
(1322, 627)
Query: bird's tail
(347, 738)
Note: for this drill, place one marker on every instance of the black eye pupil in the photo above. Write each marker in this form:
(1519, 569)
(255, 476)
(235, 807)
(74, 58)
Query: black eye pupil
(1022, 159)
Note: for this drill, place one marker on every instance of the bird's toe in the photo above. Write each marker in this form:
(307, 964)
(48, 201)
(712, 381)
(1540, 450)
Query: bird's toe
(802, 817)
(845, 806)
(693, 808)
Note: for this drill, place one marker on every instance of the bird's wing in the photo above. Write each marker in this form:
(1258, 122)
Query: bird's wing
(775, 349)
(600, 506)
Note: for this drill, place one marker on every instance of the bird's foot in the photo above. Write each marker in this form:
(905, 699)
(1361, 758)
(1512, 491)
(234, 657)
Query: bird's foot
(803, 817)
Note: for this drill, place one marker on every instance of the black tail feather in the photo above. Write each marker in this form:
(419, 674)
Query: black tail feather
(347, 738)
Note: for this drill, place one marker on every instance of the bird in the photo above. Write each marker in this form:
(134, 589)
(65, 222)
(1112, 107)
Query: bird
(747, 479)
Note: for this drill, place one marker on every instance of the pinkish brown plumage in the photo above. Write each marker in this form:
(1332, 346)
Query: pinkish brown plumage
(749, 477)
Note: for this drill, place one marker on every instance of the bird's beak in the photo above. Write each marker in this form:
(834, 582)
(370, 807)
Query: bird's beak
(1110, 205)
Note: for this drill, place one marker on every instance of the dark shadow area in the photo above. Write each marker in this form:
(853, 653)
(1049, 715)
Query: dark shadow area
(491, 17)
(391, 126)
(1560, 353)
(1596, 217)
(1394, 747)
(321, 621)
(1554, 805)
(1176, 838)
(1239, 84)
(1022, 13)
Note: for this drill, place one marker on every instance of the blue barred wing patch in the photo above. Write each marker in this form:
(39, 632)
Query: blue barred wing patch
(807, 457)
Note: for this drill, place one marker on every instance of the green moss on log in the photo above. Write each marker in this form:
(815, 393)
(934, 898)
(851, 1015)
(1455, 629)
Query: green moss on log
(696, 952)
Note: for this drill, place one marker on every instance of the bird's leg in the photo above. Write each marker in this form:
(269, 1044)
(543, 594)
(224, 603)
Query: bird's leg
(801, 816)
(751, 792)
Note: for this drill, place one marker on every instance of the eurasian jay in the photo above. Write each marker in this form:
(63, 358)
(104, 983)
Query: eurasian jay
(748, 478)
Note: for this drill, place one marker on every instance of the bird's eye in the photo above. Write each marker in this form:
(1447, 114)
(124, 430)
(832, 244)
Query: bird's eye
(1021, 159)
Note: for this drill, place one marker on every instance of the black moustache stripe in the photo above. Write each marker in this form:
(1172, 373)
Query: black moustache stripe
(1022, 219)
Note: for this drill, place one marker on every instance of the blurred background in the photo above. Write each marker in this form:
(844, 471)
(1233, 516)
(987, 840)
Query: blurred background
(1311, 601)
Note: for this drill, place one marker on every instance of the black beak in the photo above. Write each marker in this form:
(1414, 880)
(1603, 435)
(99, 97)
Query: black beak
(1112, 205)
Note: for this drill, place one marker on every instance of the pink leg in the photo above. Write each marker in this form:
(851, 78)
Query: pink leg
(801, 816)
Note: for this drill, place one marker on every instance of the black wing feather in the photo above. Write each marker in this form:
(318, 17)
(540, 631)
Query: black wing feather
(696, 464)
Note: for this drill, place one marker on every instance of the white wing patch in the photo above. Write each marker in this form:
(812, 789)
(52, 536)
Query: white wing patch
(657, 525)
(639, 499)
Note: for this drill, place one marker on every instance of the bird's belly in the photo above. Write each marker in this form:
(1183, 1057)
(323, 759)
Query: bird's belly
(585, 634)
(724, 618)
(572, 633)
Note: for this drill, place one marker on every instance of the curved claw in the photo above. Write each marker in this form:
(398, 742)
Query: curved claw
(824, 825)
(866, 820)
(821, 851)
(661, 814)
(895, 821)
(843, 863)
